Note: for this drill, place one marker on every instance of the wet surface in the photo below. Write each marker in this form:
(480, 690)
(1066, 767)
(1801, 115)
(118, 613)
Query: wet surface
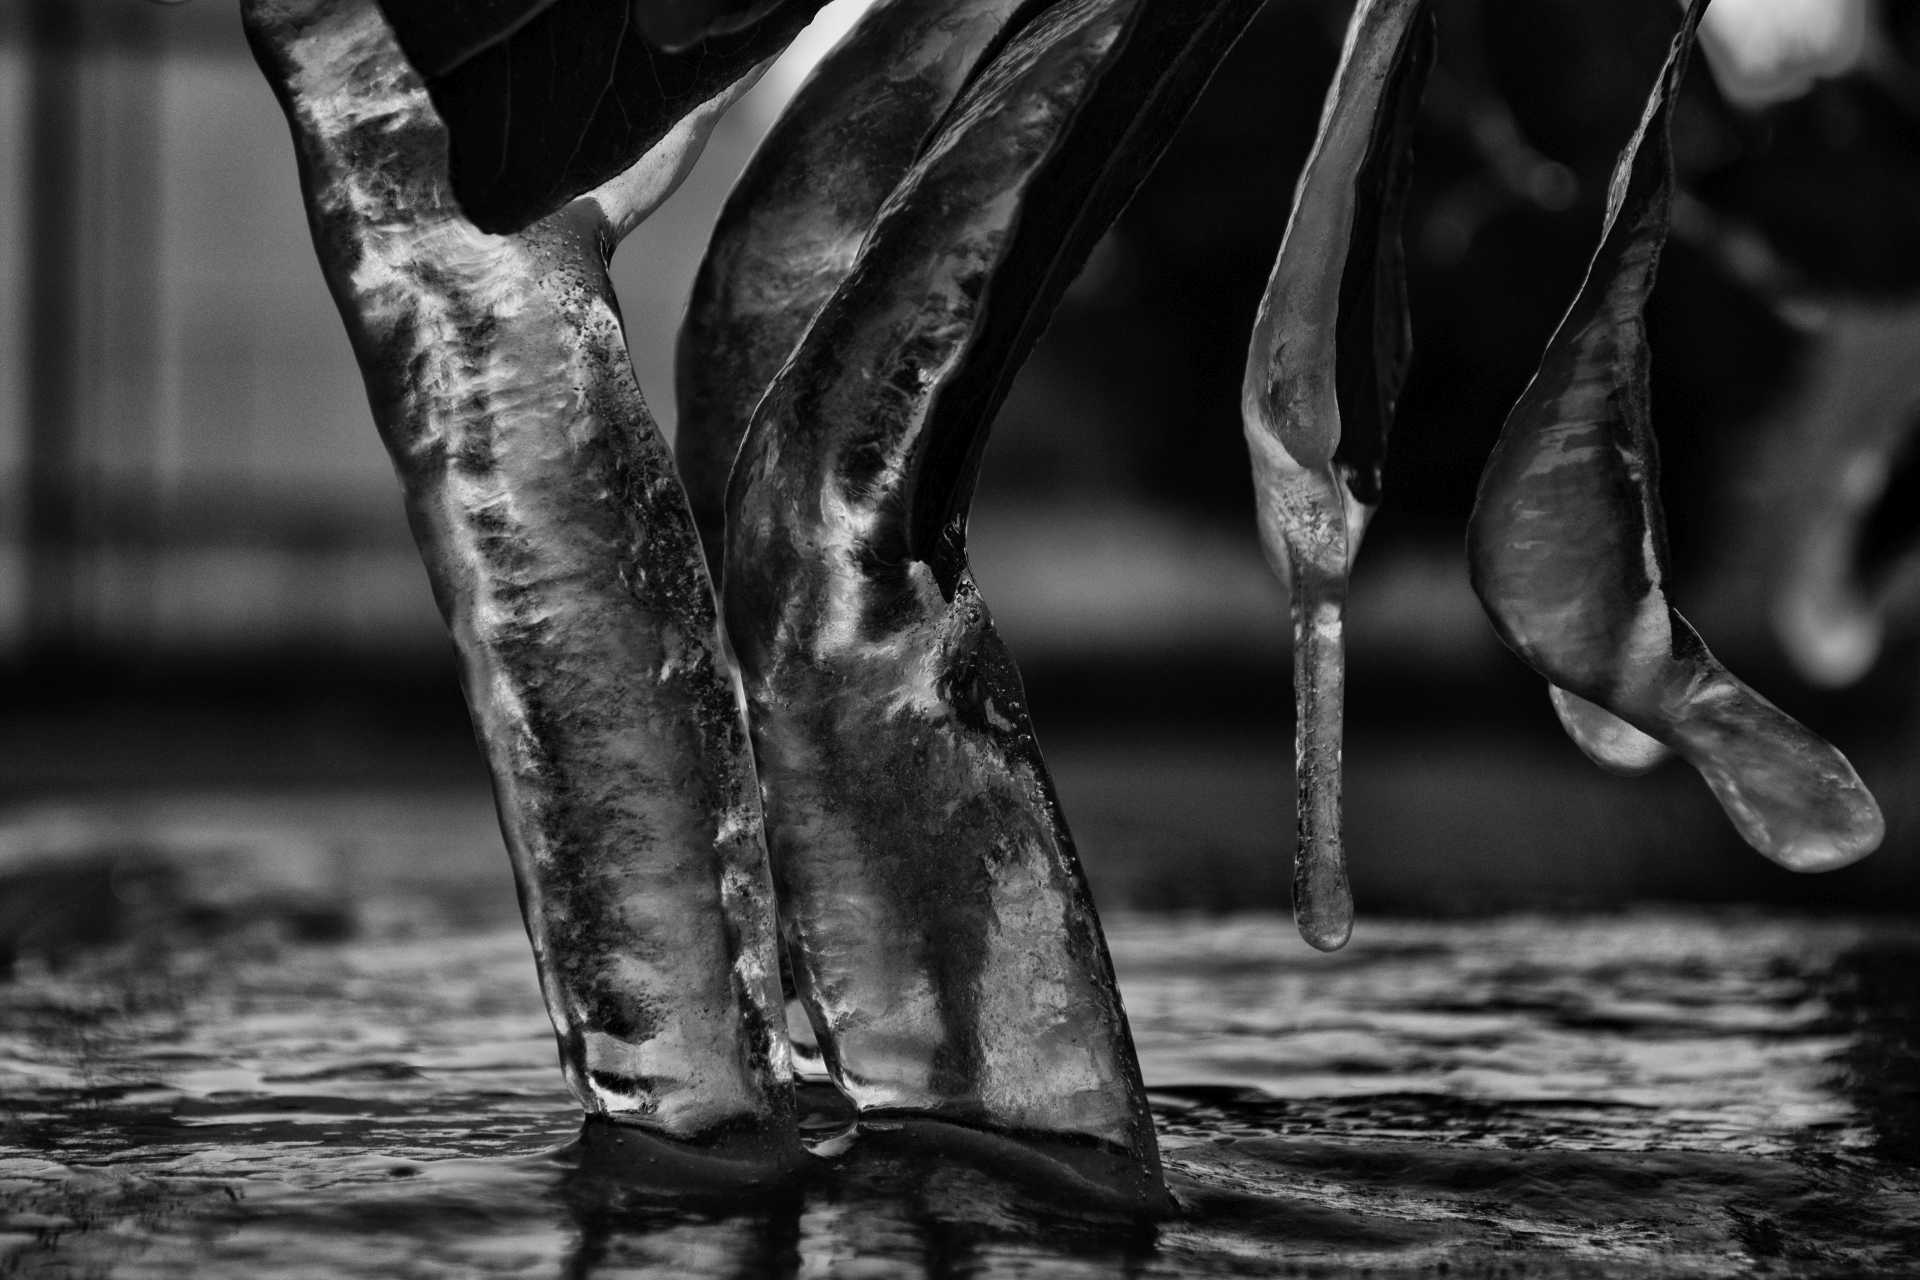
(243, 1068)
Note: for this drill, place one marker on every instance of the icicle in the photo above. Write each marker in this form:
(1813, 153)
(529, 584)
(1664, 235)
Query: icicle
(796, 217)
(1329, 352)
(943, 937)
(1322, 898)
(565, 562)
(1568, 551)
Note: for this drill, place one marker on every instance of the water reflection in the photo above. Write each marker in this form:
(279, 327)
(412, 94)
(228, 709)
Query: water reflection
(1875, 994)
(622, 1239)
(925, 1201)
(1624, 1095)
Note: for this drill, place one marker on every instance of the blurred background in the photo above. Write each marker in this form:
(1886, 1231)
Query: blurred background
(215, 634)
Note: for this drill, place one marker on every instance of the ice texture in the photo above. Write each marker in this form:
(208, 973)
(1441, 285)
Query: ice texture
(1605, 738)
(796, 218)
(944, 940)
(1329, 353)
(943, 936)
(565, 564)
(1568, 553)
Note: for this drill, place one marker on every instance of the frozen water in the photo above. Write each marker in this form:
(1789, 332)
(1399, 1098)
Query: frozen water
(565, 563)
(1607, 740)
(1329, 349)
(1568, 553)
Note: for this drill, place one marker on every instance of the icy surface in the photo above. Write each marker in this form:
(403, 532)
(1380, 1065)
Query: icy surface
(1331, 343)
(796, 216)
(1568, 552)
(565, 563)
(942, 934)
(1607, 740)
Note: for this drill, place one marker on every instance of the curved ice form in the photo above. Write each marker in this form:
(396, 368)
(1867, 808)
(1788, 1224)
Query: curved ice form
(796, 217)
(1568, 550)
(565, 563)
(944, 939)
(1329, 353)
(1605, 738)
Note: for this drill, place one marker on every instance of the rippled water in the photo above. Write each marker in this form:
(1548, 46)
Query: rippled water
(213, 1081)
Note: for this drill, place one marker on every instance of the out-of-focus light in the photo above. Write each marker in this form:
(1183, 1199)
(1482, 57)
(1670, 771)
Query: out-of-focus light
(1767, 51)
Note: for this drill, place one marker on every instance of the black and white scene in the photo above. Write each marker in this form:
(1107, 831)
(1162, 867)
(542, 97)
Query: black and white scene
(737, 639)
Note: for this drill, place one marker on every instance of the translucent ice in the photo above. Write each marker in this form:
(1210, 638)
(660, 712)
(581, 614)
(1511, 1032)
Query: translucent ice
(1568, 551)
(944, 939)
(564, 561)
(1329, 352)
(1605, 738)
(795, 220)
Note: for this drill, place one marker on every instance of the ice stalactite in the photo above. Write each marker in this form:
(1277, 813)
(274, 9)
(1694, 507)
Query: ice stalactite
(1568, 553)
(796, 217)
(564, 561)
(1329, 353)
(944, 939)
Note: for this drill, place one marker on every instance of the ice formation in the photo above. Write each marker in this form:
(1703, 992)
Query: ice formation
(1329, 352)
(565, 563)
(1568, 552)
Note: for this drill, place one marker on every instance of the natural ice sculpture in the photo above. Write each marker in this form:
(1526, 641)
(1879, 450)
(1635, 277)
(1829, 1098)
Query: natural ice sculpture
(885, 265)
(943, 936)
(1568, 551)
(942, 933)
(565, 563)
(1329, 352)
(797, 215)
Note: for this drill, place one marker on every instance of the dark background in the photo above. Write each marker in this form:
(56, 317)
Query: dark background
(213, 628)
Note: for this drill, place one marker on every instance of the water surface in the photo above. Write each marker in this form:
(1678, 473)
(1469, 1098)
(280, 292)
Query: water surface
(210, 1066)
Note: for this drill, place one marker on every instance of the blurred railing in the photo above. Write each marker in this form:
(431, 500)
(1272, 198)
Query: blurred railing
(182, 457)
(186, 459)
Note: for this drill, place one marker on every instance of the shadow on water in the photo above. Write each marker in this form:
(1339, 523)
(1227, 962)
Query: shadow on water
(1875, 994)
(911, 1203)
(307, 1197)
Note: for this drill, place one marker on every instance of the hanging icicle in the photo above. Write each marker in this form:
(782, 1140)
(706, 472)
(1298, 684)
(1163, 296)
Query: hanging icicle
(1568, 550)
(1329, 352)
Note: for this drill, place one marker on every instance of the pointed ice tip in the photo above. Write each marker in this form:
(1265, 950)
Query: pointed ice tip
(1815, 851)
(1326, 931)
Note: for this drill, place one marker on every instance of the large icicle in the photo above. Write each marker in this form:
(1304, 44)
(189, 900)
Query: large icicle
(944, 939)
(1329, 353)
(796, 217)
(1568, 552)
(564, 561)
